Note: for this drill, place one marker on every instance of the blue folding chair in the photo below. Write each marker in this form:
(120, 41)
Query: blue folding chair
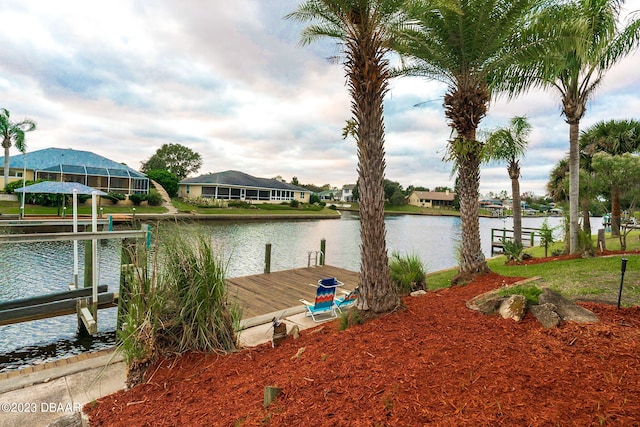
(323, 308)
(347, 300)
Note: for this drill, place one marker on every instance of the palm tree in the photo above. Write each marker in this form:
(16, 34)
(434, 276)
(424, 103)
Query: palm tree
(363, 28)
(577, 66)
(509, 144)
(469, 49)
(13, 133)
(614, 137)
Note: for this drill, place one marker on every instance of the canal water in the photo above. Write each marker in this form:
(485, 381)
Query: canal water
(39, 268)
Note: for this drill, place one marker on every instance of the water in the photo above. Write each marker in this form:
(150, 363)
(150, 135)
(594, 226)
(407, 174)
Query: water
(40, 268)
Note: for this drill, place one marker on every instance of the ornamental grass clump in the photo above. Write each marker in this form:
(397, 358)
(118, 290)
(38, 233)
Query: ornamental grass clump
(407, 273)
(200, 315)
(176, 303)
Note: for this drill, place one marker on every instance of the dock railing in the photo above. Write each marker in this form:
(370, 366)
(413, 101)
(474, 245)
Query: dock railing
(73, 300)
(500, 235)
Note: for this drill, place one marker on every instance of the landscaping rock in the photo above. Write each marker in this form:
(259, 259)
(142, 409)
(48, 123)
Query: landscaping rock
(418, 293)
(546, 314)
(514, 307)
(486, 303)
(566, 309)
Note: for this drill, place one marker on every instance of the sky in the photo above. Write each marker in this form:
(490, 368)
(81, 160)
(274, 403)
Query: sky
(230, 81)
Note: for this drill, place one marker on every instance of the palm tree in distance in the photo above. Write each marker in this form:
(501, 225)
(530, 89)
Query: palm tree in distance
(13, 134)
(509, 144)
(471, 53)
(363, 29)
(614, 137)
(576, 67)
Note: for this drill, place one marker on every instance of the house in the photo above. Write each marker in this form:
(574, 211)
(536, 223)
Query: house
(347, 193)
(328, 195)
(235, 185)
(431, 199)
(67, 165)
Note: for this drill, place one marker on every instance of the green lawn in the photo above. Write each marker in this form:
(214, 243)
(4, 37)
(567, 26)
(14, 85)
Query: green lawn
(13, 208)
(595, 278)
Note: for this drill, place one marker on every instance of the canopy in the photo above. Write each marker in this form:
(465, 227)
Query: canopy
(56, 187)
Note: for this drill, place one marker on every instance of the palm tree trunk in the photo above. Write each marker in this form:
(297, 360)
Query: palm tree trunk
(6, 147)
(472, 260)
(368, 86)
(615, 212)
(586, 221)
(574, 183)
(514, 174)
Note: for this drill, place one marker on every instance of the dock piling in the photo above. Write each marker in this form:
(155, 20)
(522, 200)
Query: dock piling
(267, 258)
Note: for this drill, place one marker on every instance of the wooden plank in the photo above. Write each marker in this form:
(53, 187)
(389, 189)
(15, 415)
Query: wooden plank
(52, 309)
(42, 299)
(265, 293)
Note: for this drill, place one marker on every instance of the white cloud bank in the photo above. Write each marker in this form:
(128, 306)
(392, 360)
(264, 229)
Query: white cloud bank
(229, 81)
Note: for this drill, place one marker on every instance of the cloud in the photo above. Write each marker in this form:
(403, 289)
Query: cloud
(230, 81)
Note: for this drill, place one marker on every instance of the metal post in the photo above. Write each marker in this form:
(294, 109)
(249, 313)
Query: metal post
(24, 182)
(323, 248)
(75, 242)
(94, 254)
(267, 258)
(623, 268)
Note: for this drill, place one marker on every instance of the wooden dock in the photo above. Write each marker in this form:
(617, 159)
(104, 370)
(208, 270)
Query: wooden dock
(266, 293)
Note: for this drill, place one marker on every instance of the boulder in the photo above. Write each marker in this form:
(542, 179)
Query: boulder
(546, 314)
(566, 309)
(486, 303)
(418, 293)
(514, 307)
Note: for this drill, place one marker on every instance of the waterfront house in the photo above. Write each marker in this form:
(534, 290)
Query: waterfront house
(67, 165)
(235, 185)
(347, 193)
(329, 195)
(431, 199)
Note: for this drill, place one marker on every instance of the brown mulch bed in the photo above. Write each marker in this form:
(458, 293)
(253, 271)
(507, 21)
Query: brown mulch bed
(436, 363)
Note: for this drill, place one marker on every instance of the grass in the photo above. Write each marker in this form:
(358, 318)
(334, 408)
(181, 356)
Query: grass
(177, 302)
(530, 292)
(583, 278)
(13, 208)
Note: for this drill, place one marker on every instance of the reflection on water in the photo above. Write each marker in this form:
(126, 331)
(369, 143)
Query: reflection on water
(40, 268)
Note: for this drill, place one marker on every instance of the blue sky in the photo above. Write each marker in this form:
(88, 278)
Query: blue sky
(229, 80)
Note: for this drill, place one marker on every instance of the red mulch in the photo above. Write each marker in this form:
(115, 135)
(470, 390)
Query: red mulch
(436, 363)
(564, 257)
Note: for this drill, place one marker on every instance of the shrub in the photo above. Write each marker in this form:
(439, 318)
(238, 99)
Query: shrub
(205, 202)
(137, 198)
(240, 204)
(294, 204)
(407, 273)
(512, 249)
(168, 180)
(314, 198)
(11, 187)
(333, 207)
(546, 236)
(154, 198)
(114, 197)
